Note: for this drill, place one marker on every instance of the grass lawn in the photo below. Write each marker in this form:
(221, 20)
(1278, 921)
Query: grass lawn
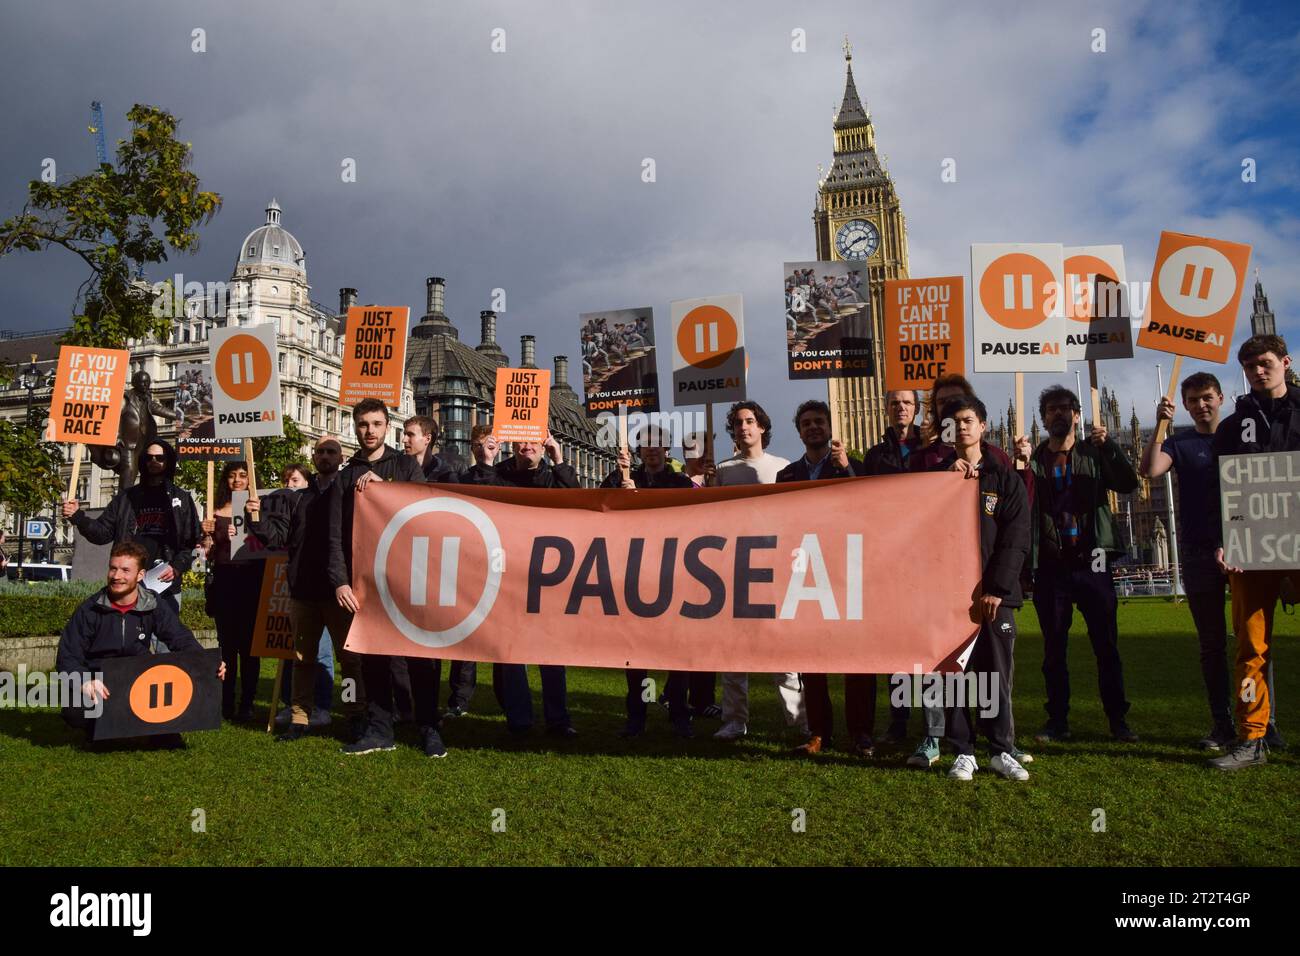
(657, 800)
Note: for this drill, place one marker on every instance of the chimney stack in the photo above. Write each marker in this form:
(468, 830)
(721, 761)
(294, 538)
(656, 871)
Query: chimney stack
(528, 351)
(435, 288)
(561, 378)
(347, 299)
(488, 319)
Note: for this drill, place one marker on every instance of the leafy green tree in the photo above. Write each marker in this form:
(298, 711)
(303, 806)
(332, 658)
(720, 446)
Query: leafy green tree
(108, 219)
(29, 469)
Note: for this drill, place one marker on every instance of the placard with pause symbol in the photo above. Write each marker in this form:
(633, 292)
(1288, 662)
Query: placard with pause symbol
(708, 350)
(1196, 289)
(160, 694)
(245, 382)
(1018, 307)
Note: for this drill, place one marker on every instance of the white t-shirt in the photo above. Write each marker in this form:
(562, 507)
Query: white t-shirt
(750, 471)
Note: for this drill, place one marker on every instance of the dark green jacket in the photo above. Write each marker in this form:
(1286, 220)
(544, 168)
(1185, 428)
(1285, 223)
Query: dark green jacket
(1096, 471)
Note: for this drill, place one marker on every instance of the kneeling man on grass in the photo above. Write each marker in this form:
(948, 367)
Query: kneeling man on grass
(117, 621)
(1004, 543)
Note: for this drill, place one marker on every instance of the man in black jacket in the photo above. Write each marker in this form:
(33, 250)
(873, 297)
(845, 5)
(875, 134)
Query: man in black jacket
(303, 529)
(376, 461)
(1266, 420)
(1004, 543)
(901, 437)
(825, 457)
(119, 620)
(533, 465)
(155, 513)
(653, 472)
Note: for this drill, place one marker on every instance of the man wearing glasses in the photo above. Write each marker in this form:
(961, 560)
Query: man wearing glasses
(1072, 543)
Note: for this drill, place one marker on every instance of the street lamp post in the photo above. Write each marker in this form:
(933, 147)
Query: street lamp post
(30, 379)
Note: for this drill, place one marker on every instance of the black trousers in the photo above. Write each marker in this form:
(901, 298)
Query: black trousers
(236, 587)
(859, 705)
(462, 678)
(1207, 609)
(701, 690)
(402, 689)
(1058, 589)
(990, 661)
(675, 689)
(377, 672)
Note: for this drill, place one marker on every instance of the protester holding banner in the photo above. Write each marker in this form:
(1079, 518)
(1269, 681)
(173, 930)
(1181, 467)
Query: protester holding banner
(1190, 453)
(376, 461)
(825, 457)
(902, 437)
(155, 512)
(751, 430)
(232, 593)
(533, 465)
(1072, 546)
(1266, 420)
(118, 620)
(653, 472)
(1004, 541)
(304, 532)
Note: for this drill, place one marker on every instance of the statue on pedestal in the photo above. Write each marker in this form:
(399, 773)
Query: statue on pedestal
(136, 429)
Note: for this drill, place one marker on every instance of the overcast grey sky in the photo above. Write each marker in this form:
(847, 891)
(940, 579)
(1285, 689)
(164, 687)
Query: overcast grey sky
(522, 169)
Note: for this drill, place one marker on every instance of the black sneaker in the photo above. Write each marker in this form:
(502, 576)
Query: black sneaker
(1274, 739)
(1244, 753)
(368, 745)
(455, 711)
(864, 746)
(1123, 733)
(432, 741)
(295, 732)
(562, 730)
(1218, 739)
(1052, 733)
(356, 728)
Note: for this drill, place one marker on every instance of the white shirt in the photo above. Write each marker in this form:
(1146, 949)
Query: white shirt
(750, 471)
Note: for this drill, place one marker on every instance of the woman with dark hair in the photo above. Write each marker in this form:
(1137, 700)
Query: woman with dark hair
(232, 596)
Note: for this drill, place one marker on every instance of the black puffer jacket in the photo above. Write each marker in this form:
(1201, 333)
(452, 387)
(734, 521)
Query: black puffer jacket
(504, 473)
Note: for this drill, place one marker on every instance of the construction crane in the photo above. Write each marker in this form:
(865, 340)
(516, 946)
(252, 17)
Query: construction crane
(97, 130)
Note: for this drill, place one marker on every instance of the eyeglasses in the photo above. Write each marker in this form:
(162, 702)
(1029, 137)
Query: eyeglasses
(155, 457)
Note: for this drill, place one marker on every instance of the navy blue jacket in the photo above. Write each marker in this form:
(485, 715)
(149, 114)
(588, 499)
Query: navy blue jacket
(97, 631)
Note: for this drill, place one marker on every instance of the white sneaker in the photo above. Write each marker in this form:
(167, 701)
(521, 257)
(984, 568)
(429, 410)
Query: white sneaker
(731, 730)
(1005, 765)
(963, 767)
(320, 717)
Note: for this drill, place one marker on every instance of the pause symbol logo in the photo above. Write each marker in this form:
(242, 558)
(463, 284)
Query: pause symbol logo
(1197, 281)
(707, 336)
(161, 694)
(243, 367)
(1018, 291)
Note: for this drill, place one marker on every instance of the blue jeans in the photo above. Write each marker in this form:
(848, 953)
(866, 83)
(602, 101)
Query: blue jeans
(510, 684)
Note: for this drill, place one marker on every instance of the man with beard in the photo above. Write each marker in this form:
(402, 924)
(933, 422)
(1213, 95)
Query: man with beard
(1072, 543)
(825, 457)
(533, 465)
(154, 513)
(376, 461)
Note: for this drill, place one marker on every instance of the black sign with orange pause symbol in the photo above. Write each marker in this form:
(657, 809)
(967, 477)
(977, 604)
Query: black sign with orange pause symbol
(160, 694)
(245, 382)
(708, 350)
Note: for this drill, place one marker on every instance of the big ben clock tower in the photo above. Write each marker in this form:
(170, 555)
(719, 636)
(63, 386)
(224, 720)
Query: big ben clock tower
(858, 219)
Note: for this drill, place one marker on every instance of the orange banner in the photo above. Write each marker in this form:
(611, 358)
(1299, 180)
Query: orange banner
(925, 322)
(374, 354)
(88, 390)
(523, 404)
(273, 633)
(865, 575)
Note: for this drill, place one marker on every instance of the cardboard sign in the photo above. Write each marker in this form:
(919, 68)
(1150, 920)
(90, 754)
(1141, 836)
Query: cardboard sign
(618, 361)
(160, 694)
(246, 381)
(195, 423)
(1196, 286)
(677, 579)
(523, 404)
(828, 320)
(709, 350)
(1019, 322)
(374, 354)
(1098, 323)
(925, 331)
(1260, 507)
(88, 390)
(273, 634)
(244, 546)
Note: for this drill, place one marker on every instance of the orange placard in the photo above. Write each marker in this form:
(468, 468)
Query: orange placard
(273, 633)
(1196, 287)
(374, 354)
(925, 336)
(523, 402)
(678, 579)
(88, 390)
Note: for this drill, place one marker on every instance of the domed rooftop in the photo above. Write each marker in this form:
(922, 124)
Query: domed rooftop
(272, 244)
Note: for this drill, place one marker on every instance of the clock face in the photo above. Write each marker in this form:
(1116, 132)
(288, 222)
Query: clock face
(856, 240)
